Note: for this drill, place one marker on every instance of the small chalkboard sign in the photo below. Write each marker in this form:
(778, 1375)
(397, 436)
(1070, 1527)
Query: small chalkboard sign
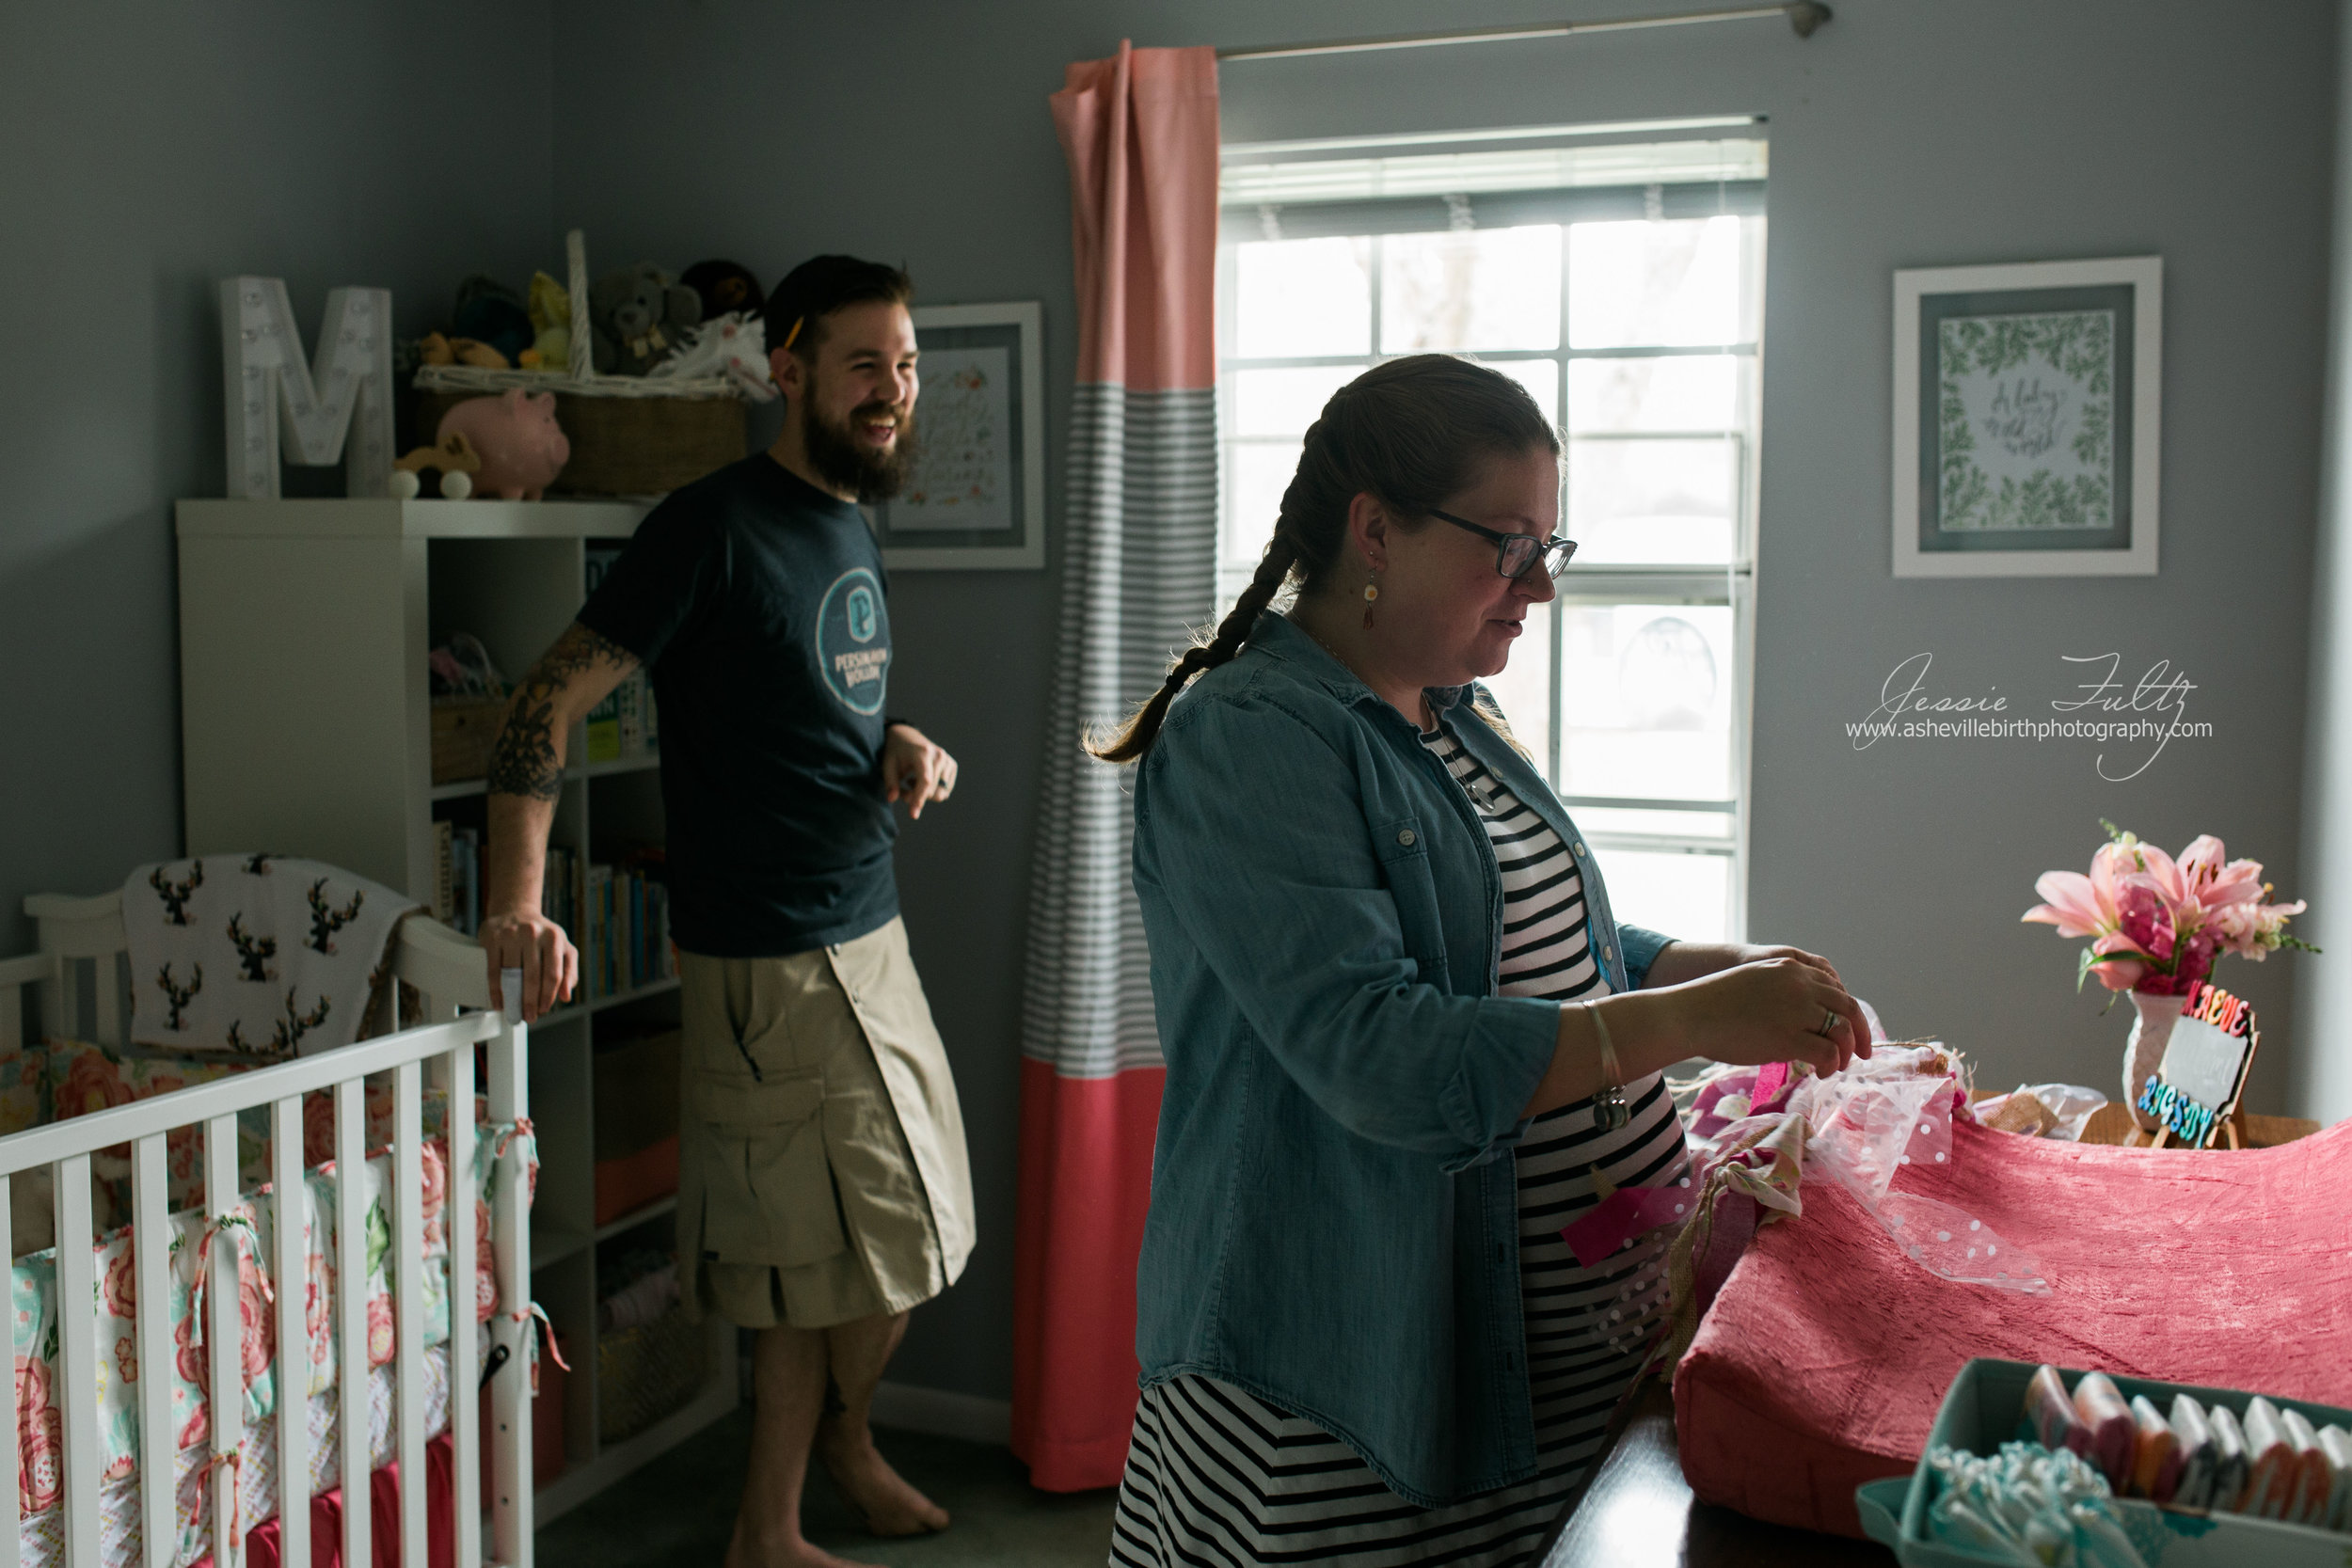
(2194, 1092)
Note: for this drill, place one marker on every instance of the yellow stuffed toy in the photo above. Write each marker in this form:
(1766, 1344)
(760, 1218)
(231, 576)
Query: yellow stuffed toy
(552, 318)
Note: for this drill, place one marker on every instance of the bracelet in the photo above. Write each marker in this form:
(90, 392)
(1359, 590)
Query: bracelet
(1610, 1111)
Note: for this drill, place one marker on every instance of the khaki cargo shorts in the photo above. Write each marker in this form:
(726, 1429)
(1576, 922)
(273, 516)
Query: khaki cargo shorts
(821, 1168)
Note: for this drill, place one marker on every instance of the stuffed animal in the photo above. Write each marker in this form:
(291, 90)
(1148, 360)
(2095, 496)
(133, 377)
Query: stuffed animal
(434, 349)
(731, 344)
(523, 447)
(551, 317)
(490, 313)
(636, 315)
(724, 286)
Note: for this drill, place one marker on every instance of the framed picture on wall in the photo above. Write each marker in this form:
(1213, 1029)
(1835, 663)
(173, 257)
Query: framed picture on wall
(975, 495)
(2027, 419)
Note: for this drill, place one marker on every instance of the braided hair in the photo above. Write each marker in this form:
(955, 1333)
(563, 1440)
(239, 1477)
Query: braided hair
(1410, 432)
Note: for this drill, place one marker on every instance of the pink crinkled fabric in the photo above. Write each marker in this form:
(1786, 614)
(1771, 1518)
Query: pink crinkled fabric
(1826, 1353)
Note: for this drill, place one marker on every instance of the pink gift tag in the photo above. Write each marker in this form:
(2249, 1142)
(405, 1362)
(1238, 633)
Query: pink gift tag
(1623, 1214)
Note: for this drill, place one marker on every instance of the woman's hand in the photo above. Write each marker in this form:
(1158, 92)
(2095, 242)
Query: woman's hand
(1770, 1009)
(1678, 961)
(1767, 1010)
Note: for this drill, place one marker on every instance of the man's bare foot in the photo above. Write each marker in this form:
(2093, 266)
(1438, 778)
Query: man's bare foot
(874, 1489)
(743, 1552)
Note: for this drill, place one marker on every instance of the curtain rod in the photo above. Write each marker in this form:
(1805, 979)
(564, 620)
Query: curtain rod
(1803, 17)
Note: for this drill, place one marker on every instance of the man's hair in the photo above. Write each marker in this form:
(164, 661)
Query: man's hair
(819, 287)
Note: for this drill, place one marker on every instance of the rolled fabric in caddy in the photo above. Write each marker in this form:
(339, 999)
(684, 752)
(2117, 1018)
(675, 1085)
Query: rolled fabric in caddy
(2113, 1431)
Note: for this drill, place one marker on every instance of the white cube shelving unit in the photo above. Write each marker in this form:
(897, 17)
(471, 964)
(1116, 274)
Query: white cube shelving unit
(305, 730)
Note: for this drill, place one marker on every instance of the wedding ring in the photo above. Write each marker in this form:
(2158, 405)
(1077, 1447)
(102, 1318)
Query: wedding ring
(1829, 1023)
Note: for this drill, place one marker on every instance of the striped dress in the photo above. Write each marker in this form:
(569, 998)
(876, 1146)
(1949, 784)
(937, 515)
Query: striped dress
(1217, 1476)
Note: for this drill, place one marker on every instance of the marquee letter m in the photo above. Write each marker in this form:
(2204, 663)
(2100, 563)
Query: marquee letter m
(346, 389)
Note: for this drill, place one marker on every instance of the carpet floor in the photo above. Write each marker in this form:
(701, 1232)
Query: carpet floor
(680, 1508)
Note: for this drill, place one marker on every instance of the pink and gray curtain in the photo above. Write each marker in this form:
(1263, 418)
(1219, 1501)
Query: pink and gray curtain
(1141, 133)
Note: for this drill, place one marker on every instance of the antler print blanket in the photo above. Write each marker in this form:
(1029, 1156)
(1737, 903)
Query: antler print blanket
(257, 953)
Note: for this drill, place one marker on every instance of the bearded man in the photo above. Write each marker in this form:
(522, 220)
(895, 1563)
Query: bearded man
(824, 1189)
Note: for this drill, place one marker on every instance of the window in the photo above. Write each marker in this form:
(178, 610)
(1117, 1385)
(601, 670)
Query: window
(1623, 285)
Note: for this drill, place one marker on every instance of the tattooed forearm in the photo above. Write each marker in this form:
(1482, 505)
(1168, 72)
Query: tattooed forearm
(526, 759)
(523, 761)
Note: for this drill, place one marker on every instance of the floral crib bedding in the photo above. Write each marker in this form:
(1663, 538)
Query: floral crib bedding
(249, 1230)
(41, 1537)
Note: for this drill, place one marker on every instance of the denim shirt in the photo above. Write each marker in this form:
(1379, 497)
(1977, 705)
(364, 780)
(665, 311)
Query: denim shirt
(1334, 1218)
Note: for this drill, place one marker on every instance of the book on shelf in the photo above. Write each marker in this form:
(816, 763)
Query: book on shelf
(457, 877)
(623, 932)
(444, 848)
(622, 728)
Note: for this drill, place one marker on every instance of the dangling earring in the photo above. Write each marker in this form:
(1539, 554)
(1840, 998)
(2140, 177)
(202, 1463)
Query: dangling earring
(1371, 592)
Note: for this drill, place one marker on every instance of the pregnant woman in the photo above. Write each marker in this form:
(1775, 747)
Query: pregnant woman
(1406, 1040)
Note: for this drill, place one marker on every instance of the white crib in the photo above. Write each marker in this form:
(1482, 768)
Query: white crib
(78, 935)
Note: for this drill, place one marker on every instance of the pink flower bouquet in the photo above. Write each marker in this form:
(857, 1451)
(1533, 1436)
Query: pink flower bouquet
(2158, 924)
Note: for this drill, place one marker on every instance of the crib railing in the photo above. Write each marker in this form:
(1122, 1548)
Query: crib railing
(448, 970)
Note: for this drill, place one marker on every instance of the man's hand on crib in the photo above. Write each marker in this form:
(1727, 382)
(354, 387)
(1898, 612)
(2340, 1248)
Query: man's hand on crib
(531, 942)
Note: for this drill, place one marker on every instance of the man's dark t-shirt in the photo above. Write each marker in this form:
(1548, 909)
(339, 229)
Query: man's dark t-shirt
(757, 602)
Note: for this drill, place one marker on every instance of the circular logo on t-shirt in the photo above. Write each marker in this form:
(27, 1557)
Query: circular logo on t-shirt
(854, 641)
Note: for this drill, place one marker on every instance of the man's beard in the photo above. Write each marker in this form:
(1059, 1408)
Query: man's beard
(846, 463)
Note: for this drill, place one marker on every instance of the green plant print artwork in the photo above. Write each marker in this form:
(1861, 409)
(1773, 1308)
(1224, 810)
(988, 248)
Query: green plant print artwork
(2026, 421)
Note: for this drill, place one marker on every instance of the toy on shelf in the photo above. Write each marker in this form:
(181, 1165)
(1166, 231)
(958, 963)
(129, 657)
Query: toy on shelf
(638, 315)
(551, 325)
(452, 458)
(436, 348)
(731, 344)
(521, 448)
(489, 313)
(724, 287)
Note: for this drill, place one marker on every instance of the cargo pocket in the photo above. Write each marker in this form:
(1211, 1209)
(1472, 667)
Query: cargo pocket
(767, 1195)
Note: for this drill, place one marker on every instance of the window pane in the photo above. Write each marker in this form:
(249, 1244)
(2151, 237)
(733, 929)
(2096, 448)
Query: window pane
(1302, 297)
(1541, 377)
(1285, 403)
(1634, 285)
(1686, 896)
(1652, 502)
(1608, 821)
(1696, 392)
(1523, 687)
(1645, 698)
(1257, 474)
(1481, 288)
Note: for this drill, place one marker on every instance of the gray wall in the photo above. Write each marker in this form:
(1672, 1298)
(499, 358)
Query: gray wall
(149, 151)
(1903, 135)
(2323, 1079)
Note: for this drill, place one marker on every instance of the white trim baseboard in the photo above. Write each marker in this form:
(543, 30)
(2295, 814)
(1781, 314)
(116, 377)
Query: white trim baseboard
(940, 1413)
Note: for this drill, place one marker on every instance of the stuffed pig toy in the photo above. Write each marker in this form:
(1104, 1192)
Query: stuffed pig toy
(521, 447)
(637, 316)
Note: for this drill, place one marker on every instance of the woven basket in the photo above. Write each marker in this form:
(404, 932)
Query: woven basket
(647, 1373)
(630, 434)
(463, 729)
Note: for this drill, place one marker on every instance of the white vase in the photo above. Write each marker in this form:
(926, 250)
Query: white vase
(2143, 1049)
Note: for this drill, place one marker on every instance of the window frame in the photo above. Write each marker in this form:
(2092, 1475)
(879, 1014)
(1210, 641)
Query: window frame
(1729, 584)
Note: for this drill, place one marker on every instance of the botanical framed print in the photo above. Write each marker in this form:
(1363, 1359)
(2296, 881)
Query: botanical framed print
(2028, 411)
(974, 494)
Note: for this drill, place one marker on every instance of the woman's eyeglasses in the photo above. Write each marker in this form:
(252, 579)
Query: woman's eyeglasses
(1515, 553)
